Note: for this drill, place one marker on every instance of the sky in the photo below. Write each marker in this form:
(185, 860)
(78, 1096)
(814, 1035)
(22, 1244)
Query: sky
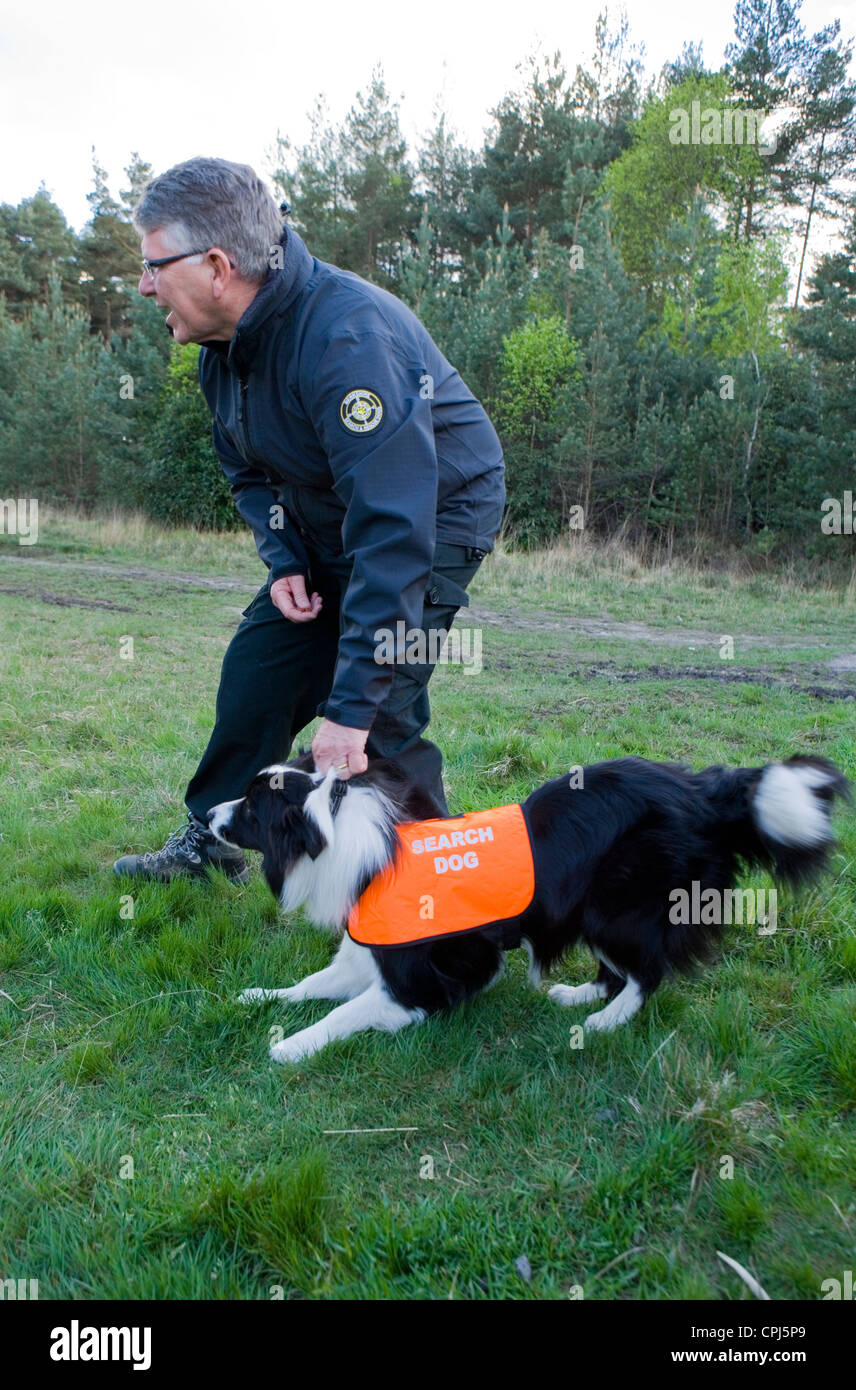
(214, 78)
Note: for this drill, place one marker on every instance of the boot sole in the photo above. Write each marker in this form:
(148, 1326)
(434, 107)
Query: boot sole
(242, 877)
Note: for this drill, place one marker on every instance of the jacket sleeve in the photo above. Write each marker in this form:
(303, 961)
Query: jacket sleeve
(278, 543)
(363, 398)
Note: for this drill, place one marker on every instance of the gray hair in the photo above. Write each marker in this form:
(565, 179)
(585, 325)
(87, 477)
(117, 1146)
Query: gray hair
(213, 202)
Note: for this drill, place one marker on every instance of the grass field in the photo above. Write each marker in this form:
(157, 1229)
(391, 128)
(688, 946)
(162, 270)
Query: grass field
(147, 1147)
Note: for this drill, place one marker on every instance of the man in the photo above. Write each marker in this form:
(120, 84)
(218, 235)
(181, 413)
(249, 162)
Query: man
(370, 475)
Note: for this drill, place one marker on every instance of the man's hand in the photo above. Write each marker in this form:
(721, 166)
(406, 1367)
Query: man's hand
(289, 596)
(335, 745)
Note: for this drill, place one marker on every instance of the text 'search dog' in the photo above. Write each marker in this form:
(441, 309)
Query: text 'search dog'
(426, 906)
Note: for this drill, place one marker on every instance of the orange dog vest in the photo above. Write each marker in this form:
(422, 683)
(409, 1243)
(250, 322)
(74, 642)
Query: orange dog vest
(453, 875)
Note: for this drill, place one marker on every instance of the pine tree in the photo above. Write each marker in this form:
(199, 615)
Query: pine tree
(540, 134)
(684, 264)
(480, 319)
(314, 188)
(181, 481)
(611, 92)
(606, 317)
(763, 67)
(444, 194)
(110, 252)
(60, 421)
(35, 241)
(378, 182)
(826, 137)
(350, 190)
(825, 333)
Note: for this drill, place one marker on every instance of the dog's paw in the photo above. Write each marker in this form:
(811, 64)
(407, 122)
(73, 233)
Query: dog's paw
(601, 1022)
(570, 995)
(293, 1049)
(257, 996)
(618, 1010)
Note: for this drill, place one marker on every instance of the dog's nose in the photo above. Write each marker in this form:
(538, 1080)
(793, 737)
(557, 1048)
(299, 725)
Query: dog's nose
(208, 814)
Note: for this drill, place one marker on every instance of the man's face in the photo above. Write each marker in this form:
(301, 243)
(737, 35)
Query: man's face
(185, 289)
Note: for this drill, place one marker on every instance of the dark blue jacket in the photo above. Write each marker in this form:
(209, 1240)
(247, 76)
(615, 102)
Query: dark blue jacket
(343, 429)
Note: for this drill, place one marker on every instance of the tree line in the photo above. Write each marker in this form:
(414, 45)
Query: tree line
(621, 274)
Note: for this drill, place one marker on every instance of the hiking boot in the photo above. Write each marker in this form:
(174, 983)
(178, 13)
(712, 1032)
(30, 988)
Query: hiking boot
(190, 850)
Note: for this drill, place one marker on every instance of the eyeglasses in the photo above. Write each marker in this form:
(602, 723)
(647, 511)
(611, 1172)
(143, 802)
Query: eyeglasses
(149, 267)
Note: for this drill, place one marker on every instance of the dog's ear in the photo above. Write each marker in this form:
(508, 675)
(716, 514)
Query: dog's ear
(298, 833)
(304, 835)
(310, 835)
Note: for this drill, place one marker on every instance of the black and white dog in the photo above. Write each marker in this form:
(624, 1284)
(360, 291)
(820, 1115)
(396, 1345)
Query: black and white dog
(607, 855)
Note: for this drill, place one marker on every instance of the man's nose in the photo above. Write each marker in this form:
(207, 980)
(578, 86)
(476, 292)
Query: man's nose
(147, 284)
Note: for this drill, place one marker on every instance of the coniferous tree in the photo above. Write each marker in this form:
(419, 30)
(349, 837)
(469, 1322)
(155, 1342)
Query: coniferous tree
(110, 252)
(35, 241)
(60, 421)
(351, 191)
(610, 91)
(605, 318)
(612, 296)
(140, 366)
(826, 138)
(445, 172)
(378, 182)
(524, 163)
(483, 317)
(763, 66)
(314, 187)
(181, 481)
(825, 334)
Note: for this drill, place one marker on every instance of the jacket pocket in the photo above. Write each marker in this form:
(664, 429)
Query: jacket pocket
(442, 591)
(251, 607)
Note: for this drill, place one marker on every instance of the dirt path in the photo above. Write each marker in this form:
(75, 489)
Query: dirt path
(792, 678)
(475, 614)
(197, 581)
(642, 632)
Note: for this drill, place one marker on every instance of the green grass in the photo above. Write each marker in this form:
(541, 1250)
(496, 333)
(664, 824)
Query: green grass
(147, 1147)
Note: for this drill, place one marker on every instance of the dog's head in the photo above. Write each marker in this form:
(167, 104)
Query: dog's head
(286, 814)
(322, 839)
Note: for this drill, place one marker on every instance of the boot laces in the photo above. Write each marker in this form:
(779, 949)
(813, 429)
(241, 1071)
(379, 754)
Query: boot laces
(188, 837)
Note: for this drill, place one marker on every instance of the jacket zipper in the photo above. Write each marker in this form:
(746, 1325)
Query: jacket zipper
(243, 416)
(244, 422)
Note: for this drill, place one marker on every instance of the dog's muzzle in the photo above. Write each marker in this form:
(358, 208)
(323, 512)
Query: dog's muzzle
(219, 818)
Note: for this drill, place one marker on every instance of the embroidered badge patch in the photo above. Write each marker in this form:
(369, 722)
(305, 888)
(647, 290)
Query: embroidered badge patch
(361, 411)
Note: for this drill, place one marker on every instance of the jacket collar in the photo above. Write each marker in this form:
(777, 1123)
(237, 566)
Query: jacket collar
(273, 298)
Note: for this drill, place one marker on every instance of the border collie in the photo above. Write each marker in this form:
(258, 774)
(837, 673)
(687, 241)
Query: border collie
(607, 857)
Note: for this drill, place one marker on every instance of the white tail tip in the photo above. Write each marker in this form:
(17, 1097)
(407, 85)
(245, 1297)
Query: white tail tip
(786, 808)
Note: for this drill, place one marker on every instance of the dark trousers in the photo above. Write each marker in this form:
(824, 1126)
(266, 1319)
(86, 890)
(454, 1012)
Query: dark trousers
(276, 673)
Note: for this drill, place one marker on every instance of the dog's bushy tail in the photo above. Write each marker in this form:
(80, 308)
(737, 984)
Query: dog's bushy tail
(789, 808)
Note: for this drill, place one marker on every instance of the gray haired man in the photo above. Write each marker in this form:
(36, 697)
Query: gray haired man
(370, 475)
